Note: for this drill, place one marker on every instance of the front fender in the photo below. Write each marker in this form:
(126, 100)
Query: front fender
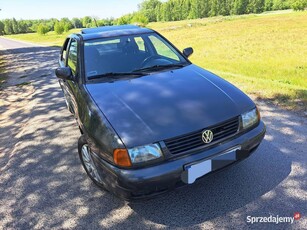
(99, 133)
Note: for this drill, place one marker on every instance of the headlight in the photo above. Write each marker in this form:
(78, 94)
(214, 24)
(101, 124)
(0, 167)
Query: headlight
(145, 153)
(250, 118)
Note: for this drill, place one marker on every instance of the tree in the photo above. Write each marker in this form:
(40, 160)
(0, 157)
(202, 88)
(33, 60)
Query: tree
(23, 26)
(42, 29)
(8, 27)
(108, 21)
(298, 4)
(139, 19)
(15, 26)
(58, 28)
(240, 6)
(1, 28)
(224, 7)
(66, 27)
(50, 23)
(176, 6)
(123, 20)
(76, 23)
(255, 6)
(86, 20)
(196, 9)
(268, 4)
(185, 9)
(215, 8)
(148, 9)
(166, 11)
(66, 24)
(280, 4)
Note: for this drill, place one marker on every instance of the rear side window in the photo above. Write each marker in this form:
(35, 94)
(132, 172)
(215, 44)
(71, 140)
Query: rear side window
(72, 59)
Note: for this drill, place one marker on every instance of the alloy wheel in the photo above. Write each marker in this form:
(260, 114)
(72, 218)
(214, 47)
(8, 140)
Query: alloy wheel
(89, 163)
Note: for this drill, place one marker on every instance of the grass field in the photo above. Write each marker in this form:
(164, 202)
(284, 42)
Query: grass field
(50, 39)
(264, 55)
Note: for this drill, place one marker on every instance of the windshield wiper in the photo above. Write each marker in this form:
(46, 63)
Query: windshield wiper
(159, 67)
(116, 74)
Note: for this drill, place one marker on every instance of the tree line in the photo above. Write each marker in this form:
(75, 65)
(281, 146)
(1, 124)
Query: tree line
(152, 11)
(42, 26)
(174, 10)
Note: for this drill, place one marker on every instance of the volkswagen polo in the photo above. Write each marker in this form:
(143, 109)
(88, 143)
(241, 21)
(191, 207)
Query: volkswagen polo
(150, 120)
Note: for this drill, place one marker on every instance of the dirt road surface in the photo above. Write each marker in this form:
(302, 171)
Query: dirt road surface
(43, 186)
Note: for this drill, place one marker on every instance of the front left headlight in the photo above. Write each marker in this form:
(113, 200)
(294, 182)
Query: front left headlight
(250, 118)
(145, 153)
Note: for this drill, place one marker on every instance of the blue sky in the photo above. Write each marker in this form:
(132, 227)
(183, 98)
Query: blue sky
(37, 9)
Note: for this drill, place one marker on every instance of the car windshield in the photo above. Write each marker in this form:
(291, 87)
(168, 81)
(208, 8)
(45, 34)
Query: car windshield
(129, 54)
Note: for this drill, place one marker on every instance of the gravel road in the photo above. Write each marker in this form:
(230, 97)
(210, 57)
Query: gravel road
(43, 186)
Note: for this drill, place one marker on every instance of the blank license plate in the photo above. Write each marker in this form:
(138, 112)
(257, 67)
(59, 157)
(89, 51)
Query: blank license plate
(193, 171)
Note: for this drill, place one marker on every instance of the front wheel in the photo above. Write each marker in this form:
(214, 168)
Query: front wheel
(88, 162)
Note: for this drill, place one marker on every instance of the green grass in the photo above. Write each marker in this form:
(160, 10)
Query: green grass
(264, 55)
(50, 39)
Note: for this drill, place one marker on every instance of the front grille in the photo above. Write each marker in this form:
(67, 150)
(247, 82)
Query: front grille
(194, 140)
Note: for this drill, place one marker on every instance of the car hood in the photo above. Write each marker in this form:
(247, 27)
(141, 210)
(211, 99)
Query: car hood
(167, 104)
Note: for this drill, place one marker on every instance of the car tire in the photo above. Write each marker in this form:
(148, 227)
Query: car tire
(88, 162)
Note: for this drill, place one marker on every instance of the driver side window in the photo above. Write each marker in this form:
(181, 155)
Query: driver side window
(72, 58)
(162, 49)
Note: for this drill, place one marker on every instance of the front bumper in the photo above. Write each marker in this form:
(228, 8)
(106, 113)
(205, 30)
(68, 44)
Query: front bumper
(150, 181)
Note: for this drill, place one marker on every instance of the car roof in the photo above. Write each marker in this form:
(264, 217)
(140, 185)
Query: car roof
(112, 31)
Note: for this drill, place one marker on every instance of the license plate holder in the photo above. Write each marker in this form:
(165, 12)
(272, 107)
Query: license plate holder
(198, 169)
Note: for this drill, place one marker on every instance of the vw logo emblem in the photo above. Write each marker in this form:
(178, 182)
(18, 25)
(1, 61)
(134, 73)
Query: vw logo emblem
(207, 136)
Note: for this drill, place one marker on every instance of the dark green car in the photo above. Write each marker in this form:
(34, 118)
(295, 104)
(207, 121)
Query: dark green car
(150, 119)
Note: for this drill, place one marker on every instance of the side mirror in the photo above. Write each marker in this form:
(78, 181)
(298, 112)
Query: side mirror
(187, 52)
(64, 73)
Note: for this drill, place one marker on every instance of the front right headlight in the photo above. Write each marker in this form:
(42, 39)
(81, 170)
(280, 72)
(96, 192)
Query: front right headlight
(250, 118)
(145, 153)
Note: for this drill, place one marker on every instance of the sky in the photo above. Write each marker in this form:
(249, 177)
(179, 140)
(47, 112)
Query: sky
(44, 9)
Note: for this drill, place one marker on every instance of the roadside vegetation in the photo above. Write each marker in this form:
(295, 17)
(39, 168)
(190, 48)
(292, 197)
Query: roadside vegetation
(153, 11)
(263, 54)
(50, 38)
